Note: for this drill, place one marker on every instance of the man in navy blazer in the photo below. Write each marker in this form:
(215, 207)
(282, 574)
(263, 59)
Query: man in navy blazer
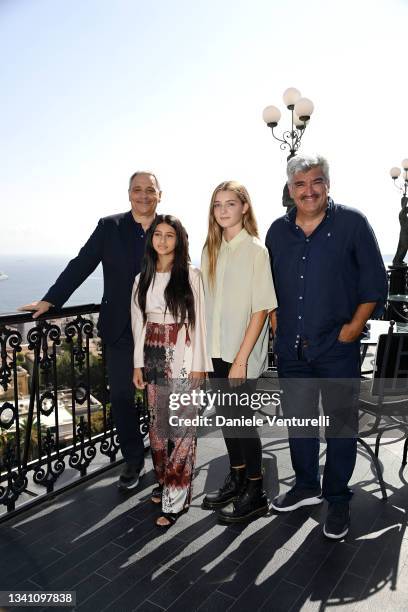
(118, 243)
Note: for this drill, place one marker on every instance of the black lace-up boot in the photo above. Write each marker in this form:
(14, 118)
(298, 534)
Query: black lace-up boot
(228, 492)
(251, 503)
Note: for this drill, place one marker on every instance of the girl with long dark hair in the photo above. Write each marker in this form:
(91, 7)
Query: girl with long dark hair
(239, 293)
(168, 323)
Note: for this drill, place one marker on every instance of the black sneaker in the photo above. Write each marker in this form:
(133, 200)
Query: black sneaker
(130, 476)
(337, 521)
(296, 498)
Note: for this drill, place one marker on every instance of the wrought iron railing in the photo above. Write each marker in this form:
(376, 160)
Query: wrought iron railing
(55, 414)
(397, 303)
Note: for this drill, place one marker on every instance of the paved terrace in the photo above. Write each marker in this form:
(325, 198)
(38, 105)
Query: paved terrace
(104, 545)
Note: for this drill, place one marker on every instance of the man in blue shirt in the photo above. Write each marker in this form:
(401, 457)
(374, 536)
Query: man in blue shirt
(329, 278)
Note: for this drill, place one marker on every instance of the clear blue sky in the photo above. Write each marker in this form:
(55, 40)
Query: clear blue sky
(93, 89)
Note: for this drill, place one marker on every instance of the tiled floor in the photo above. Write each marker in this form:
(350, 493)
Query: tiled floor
(104, 546)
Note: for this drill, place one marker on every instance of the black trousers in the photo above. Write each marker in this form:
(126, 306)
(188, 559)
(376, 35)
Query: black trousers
(119, 357)
(243, 443)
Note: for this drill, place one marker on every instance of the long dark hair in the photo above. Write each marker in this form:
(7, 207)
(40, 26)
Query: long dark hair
(178, 293)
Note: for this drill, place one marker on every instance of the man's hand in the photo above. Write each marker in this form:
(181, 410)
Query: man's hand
(138, 378)
(349, 332)
(39, 308)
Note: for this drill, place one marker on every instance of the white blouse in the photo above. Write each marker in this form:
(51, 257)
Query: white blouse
(156, 312)
(243, 286)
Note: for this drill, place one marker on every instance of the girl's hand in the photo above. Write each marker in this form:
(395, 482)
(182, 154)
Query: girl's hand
(237, 374)
(138, 378)
(196, 379)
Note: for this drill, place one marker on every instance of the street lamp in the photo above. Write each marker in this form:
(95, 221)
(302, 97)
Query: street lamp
(397, 300)
(301, 110)
(395, 172)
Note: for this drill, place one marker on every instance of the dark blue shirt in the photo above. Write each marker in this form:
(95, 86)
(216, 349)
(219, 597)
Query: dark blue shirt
(321, 279)
(135, 240)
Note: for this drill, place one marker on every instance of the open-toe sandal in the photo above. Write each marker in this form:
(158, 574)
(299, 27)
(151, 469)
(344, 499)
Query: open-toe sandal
(156, 495)
(171, 517)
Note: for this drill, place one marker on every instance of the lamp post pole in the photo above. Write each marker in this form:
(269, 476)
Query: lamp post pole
(397, 299)
(300, 110)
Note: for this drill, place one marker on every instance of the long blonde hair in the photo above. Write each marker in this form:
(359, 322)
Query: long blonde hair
(214, 235)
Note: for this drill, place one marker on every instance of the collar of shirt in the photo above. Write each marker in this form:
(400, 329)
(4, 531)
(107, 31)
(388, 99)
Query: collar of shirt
(290, 217)
(132, 222)
(233, 244)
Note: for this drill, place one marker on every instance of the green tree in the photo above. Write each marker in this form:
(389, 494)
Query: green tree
(20, 359)
(97, 422)
(33, 445)
(4, 438)
(64, 375)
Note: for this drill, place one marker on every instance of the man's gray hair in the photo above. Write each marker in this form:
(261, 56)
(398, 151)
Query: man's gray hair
(145, 172)
(304, 163)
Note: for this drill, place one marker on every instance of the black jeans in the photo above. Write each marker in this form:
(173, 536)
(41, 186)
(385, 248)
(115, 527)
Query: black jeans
(119, 358)
(244, 446)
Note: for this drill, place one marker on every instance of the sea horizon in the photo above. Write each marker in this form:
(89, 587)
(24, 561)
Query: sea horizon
(30, 276)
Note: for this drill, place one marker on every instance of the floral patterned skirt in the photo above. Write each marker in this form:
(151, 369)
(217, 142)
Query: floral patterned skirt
(167, 359)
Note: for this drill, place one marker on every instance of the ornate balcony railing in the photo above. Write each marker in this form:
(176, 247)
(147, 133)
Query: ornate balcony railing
(56, 426)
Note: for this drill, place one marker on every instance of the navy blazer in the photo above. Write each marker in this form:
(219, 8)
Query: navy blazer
(109, 244)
